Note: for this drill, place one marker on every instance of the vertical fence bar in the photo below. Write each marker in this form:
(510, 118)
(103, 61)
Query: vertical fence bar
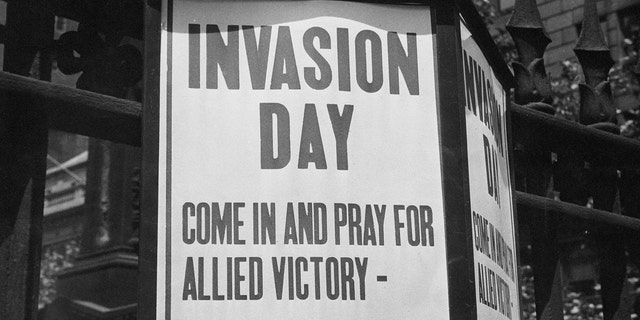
(147, 287)
(533, 90)
(23, 150)
(597, 110)
(105, 272)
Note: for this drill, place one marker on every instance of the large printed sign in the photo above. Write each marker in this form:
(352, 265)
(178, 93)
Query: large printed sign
(300, 172)
(494, 255)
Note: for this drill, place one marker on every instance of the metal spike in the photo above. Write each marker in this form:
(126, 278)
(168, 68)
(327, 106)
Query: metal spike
(591, 48)
(525, 15)
(591, 37)
(527, 31)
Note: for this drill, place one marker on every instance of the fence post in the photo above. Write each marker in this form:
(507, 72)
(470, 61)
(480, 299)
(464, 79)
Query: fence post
(533, 90)
(23, 150)
(629, 189)
(597, 111)
(105, 272)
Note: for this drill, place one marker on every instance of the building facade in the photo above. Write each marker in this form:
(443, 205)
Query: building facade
(619, 20)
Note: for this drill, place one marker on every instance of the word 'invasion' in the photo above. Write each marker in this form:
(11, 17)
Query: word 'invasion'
(224, 55)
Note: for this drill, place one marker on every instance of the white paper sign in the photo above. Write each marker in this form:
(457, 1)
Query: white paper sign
(299, 163)
(496, 274)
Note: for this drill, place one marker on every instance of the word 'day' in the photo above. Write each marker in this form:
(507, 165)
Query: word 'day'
(311, 147)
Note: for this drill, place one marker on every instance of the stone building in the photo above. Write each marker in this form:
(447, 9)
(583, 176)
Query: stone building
(619, 19)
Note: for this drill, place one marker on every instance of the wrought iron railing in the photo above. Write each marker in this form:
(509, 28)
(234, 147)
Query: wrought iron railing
(574, 163)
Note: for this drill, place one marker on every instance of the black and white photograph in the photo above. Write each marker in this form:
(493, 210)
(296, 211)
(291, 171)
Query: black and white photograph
(320, 159)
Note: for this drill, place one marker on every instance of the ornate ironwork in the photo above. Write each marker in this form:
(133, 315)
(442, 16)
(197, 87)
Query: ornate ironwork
(534, 167)
(533, 88)
(110, 65)
(107, 67)
(596, 100)
(597, 110)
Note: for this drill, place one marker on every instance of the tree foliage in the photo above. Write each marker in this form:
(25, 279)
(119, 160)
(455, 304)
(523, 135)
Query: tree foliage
(490, 15)
(55, 259)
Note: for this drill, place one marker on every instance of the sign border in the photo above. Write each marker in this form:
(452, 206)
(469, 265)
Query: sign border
(469, 16)
(147, 253)
(455, 184)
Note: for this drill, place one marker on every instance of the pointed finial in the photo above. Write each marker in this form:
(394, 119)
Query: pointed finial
(527, 31)
(591, 48)
(591, 37)
(525, 15)
(533, 88)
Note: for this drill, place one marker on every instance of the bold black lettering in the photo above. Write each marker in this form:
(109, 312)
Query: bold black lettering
(488, 93)
(201, 295)
(203, 227)
(285, 69)
(189, 289)
(237, 223)
(413, 225)
(302, 290)
(397, 224)
(380, 211)
(238, 278)
(221, 225)
(426, 216)
(355, 230)
(188, 235)
(267, 159)
(369, 234)
(290, 234)
(344, 65)
(323, 66)
(319, 223)
(311, 148)
(214, 284)
(255, 278)
(361, 268)
(341, 125)
(346, 266)
(496, 183)
(256, 222)
(362, 73)
(290, 278)
(257, 54)
(333, 274)
(488, 164)
(229, 278)
(481, 286)
(340, 218)
(476, 235)
(485, 101)
(469, 68)
(223, 55)
(194, 56)
(278, 275)
(498, 133)
(405, 61)
(305, 223)
(479, 93)
(268, 223)
(316, 275)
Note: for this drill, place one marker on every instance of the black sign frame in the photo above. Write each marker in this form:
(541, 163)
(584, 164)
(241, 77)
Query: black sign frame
(445, 18)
